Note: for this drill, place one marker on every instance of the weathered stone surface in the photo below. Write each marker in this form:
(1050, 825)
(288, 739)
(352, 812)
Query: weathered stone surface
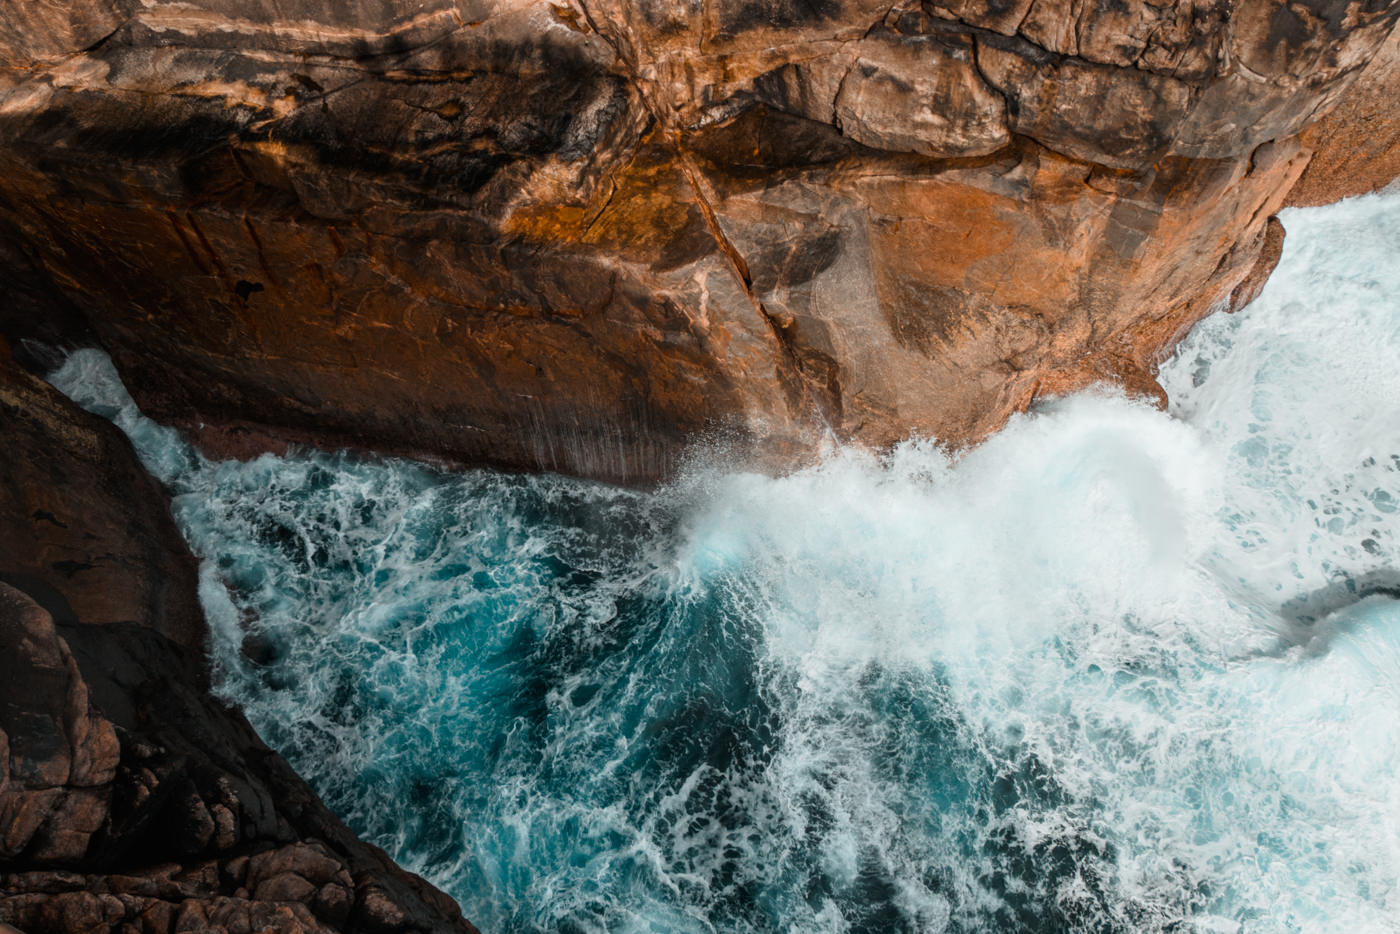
(131, 800)
(29, 30)
(561, 235)
(60, 753)
(920, 94)
(1098, 113)
(1356, 147)
(68, 801)
(576, 235)
(84, 529)
(1270, 252)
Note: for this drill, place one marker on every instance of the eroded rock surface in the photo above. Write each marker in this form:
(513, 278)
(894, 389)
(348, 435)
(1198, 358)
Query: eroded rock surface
(131, 800)
(83, 528)
(171, 815)
(1356, 147)
(576, 235)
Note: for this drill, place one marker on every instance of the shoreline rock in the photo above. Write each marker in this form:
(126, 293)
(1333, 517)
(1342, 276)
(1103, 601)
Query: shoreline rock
(562, 236)
(85, 531)
(1356, 147)
(576, 236)
(131, 799)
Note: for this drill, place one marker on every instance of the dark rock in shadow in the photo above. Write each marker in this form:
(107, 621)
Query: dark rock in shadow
(130, 799)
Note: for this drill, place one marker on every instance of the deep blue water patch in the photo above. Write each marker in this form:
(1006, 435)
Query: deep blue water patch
(1059, 683)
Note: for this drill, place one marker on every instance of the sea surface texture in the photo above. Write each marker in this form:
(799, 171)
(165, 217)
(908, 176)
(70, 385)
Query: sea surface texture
(1114, 670)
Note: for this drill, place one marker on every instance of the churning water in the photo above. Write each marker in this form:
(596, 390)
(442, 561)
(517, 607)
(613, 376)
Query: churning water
(1114, 670)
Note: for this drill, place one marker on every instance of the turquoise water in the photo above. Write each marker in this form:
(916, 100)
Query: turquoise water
(1114, 670)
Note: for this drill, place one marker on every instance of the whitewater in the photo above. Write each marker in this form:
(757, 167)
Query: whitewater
(1115, 669)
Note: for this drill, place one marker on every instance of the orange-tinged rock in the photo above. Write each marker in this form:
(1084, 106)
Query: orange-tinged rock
(579, 236)
(1356, 147)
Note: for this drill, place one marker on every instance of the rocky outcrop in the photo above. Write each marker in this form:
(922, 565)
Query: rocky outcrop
(570, 235)
(59, 751)
(575, 235)
(1356, 147)
(131, 800)
(83, 528)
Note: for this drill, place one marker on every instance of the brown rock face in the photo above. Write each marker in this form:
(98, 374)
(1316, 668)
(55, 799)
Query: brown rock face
(83, 527)
(130, 800)
(172, 815)
(576, 235)
(61, 752)
(1357, 145)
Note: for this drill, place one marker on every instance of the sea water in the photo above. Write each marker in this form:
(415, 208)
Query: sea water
(1113, 670)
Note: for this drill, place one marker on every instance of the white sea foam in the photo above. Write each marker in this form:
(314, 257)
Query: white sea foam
(1112, 670)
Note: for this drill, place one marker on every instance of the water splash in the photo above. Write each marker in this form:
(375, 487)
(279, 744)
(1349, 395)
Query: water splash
(1114, 670)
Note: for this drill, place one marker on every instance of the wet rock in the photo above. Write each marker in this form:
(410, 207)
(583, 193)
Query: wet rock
(1269, 254)
(260, 649)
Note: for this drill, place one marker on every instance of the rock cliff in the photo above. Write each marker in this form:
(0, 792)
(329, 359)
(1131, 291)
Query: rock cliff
(1356, 147)
(130, 800)
(570, 235)
(85, 530)
(575, 234)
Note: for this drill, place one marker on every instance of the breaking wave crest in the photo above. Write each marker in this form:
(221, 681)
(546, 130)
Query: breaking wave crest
(1113, 670)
